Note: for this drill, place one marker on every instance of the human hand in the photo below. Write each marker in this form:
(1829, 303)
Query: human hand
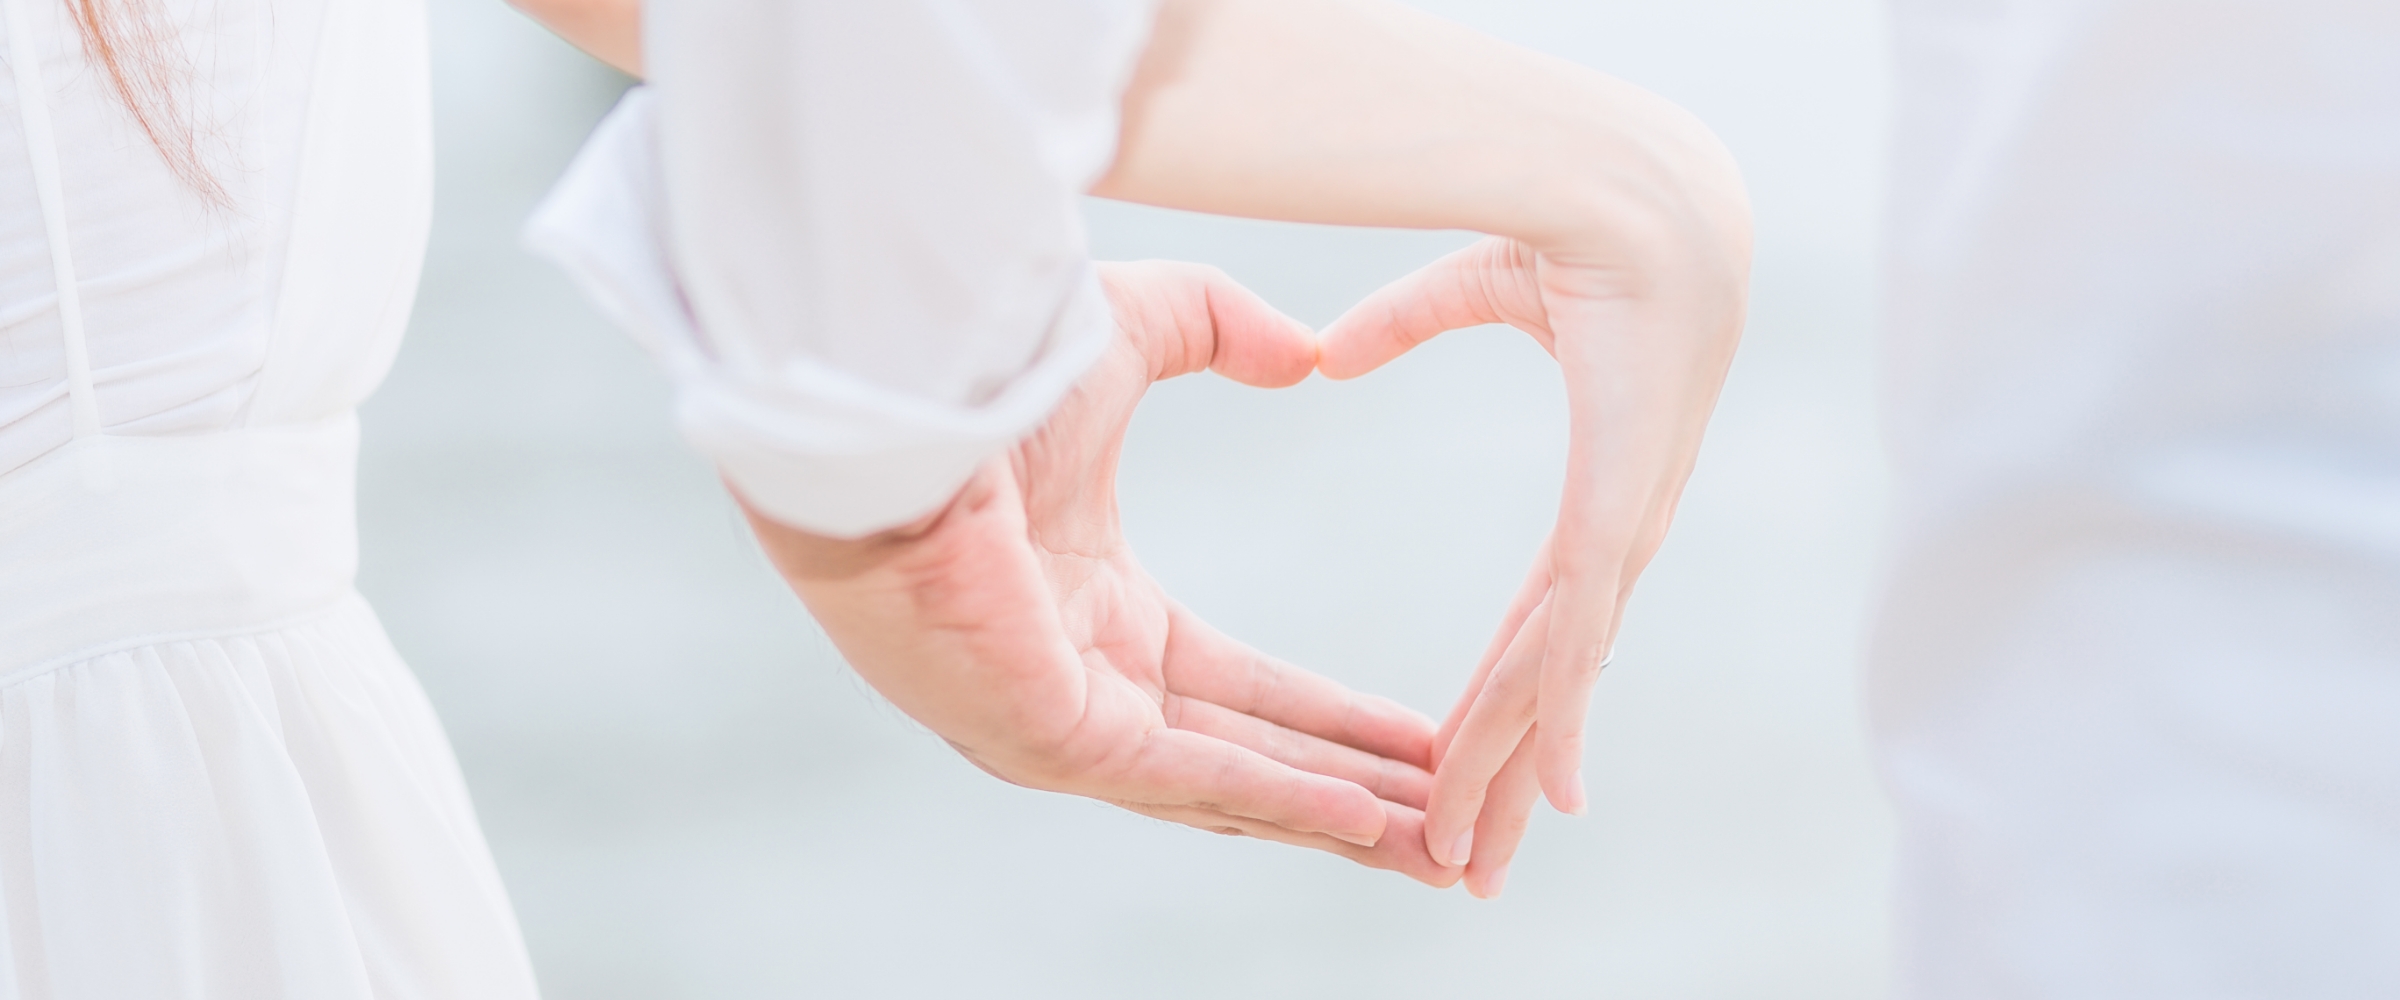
(1017, 624)
(1626, 251)
(1644, 328)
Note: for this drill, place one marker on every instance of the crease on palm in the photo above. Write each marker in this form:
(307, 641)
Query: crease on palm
(1143, 704)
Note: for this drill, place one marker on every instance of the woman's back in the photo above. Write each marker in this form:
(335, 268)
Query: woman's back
(217, 779)
(268, 286)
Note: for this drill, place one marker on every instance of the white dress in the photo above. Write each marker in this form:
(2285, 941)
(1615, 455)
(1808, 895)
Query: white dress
(216, 777)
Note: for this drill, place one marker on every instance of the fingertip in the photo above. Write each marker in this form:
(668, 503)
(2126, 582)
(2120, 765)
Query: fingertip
(1255, 343)
(1440, 878)
(1566, 701)
(1316, 352)
(1363, 819)
(1487, 885)
(1561, 771)
(1293, 355)
(1403, 852)
(1338, 359)
(1341, 350)
(1273, 367)
(1358, 839)
(1436, 847)
(1390, 729)
(1569, 797)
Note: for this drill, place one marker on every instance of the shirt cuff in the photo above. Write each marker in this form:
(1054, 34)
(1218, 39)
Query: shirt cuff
(805, 444)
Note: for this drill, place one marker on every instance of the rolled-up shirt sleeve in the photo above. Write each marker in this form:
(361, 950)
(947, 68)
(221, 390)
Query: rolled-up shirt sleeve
(850, 231)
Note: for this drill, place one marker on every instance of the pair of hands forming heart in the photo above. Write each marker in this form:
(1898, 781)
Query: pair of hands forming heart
(1018, 625)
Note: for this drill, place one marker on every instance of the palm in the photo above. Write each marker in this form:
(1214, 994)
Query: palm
(1149, 662)
(1018, 625)
(1112, 611)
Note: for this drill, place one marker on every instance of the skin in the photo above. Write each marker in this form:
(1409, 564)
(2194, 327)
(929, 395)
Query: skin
(608, 30)
(1620, 240)
(1018, 625)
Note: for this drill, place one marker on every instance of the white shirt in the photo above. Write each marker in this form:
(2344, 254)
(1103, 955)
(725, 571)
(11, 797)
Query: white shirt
(2136, 685)
(874, 274)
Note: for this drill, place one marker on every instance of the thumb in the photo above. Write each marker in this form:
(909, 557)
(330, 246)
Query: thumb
(1492, 281)
(1188, 317)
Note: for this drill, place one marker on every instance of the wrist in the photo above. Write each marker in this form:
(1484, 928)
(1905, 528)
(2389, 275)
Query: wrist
(1636, 181)
(802, 556)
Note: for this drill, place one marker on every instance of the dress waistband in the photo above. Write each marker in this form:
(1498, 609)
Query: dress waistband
(117, 541)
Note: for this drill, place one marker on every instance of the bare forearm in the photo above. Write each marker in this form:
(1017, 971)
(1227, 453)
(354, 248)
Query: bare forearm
(1363, 112)
(610, 30)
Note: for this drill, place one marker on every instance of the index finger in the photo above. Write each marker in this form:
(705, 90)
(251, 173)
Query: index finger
(1494, 727)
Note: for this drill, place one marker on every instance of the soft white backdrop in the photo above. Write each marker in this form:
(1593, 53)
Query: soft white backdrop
(690, 796)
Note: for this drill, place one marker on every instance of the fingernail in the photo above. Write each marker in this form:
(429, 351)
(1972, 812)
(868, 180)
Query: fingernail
(1575, 806)
(1491, 886)
(1361, 839)
(1461, 848)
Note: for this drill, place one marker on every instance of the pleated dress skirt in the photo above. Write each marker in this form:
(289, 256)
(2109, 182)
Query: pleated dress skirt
(217, 778)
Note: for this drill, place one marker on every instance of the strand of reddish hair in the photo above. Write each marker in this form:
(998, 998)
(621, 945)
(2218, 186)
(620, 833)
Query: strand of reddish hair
(132, 43)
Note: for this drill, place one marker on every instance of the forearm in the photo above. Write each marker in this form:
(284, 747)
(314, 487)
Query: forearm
(1360, 112)
(609, 30)
(975, 662)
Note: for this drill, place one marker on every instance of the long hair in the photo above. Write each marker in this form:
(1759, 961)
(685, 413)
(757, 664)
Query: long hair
(136, 47)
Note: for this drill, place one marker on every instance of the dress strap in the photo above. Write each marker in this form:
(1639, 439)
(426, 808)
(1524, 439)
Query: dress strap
(41, 144)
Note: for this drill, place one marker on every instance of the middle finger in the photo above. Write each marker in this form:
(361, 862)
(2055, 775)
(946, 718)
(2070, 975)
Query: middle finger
(1502, 714)
(1392, 780)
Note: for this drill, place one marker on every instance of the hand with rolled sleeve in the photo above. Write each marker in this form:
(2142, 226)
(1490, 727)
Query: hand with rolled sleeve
(1016, 624)
(873, 207)
(1011, 619)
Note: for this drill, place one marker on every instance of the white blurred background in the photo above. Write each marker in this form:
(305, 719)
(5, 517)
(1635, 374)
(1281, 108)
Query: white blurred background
(690, 795)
